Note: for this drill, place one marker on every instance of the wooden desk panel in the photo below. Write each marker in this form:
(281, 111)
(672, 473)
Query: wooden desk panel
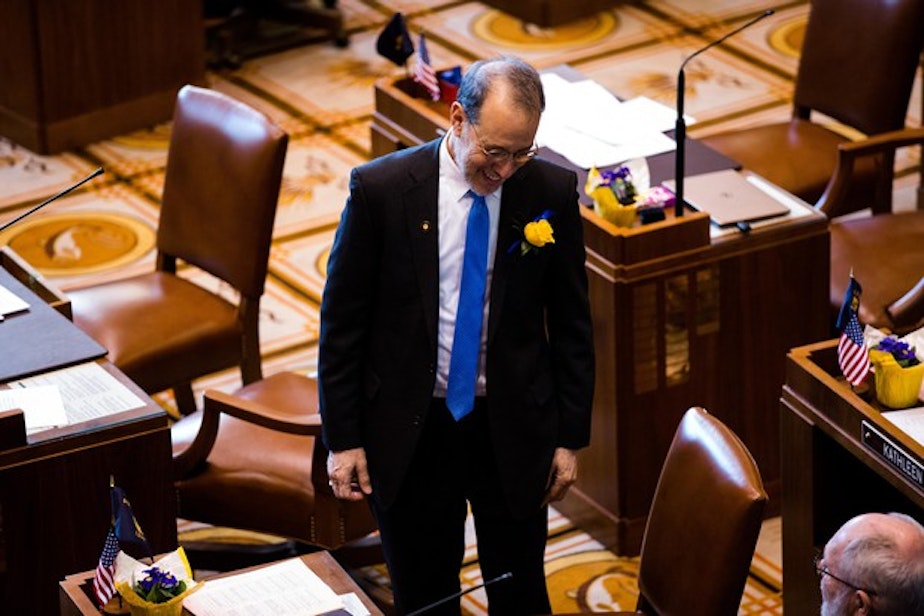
(54, 500)
(76, 71)
(76, 590)
(705, 326)
(680, 320)
(828, 474)
(54, 491)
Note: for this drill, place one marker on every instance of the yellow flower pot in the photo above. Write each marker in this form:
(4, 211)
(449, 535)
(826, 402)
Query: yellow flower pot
(609, 209)
(139, 607)
(896, 387)
(157, 609)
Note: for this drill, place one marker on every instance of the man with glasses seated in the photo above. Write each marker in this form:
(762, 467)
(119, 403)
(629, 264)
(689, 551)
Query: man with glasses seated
(456, 361)
(874, 566)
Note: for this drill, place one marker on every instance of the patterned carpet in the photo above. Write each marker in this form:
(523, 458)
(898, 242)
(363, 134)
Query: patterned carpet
(323, 96)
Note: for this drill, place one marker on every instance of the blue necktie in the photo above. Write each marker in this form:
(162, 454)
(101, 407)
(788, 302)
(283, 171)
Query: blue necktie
(466, 341)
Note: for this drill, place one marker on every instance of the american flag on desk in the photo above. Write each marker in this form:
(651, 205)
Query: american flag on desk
(423, 70)
(103, 582)
(852, 354)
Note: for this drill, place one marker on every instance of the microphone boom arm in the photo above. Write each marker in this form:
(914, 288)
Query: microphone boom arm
(680, 127)
(10, 223)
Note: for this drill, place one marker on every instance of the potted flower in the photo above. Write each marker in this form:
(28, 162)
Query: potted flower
(157, 592)
(898, 373)
(614, 194)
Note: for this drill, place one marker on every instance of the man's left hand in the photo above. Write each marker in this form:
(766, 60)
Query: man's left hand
(562, 475)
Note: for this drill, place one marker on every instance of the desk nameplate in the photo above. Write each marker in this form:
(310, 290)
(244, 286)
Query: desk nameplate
(894, 455)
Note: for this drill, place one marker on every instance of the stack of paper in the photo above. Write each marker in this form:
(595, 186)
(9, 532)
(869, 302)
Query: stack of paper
(68, 396)
(10, 303)
(590, 127)
(288, 588)
(909, 421)
(41, 406)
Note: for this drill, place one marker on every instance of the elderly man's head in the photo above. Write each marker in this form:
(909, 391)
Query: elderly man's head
(874, 564)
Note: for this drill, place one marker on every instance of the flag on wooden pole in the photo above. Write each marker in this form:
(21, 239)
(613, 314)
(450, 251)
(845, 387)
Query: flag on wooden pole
(122, 527)
(852, 354)
(394, 42)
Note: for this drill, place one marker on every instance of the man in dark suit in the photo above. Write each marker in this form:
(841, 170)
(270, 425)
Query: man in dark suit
(407, 423)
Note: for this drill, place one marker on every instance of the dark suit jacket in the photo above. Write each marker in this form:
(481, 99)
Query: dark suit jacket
(378, 344)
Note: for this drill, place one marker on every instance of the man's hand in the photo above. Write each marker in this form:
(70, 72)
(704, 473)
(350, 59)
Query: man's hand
(349, 474)
(562, 475)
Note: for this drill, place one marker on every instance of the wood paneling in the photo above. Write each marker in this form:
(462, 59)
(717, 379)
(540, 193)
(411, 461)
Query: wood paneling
(54, 489)
(76, 71)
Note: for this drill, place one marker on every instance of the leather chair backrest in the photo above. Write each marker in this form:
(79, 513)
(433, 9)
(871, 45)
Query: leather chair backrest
(703, 524)
(858, 61)
(224, 171)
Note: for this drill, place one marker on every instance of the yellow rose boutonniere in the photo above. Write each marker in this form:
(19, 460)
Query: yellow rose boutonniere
(536, 234)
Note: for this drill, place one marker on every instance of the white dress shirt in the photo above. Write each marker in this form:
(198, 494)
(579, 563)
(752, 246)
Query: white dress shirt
(453, 206)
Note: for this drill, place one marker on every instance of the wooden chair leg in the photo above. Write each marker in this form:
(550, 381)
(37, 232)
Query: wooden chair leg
(185, 400)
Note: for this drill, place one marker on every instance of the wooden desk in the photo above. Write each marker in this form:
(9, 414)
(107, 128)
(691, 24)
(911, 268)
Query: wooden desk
(54, 491)
(76, 71)
(28, 276)
(679, 320)
(76, 591)
(833, 468)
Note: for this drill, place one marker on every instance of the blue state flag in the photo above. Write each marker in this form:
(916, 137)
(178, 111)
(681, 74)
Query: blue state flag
(126, 527)
(395, 42)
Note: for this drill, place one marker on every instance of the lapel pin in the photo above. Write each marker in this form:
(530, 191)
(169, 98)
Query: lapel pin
(425, 226)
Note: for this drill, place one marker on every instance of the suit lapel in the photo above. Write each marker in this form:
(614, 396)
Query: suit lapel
(420, 208)
(513, 214)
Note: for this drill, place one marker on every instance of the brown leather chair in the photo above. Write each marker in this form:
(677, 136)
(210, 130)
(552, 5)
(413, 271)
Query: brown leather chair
(254, 460)
(857, 66)
(224, 170)
(885, 251)
(703, 523)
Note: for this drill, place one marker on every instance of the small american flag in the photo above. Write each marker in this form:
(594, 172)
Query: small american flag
(423, 71)
(852, 354)
(103, 583)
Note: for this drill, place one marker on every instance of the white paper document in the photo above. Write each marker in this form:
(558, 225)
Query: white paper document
(41, 406)
(10, 302)
(589, 126)
(87, 391)
(909, 421)
(288, 588)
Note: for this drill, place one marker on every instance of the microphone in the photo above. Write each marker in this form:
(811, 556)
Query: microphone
(680, 132)
(427, 608)
(98, 171)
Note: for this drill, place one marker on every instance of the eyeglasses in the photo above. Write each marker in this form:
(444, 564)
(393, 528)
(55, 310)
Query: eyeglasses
(501, 156)
(822, 571)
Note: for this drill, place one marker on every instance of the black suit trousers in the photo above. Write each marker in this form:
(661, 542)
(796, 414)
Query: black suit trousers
(423, 532)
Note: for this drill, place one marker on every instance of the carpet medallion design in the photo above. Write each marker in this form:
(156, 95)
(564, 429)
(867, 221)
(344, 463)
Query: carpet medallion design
(62, 244)
(787, 37)
(592, 581)
(498, 28)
